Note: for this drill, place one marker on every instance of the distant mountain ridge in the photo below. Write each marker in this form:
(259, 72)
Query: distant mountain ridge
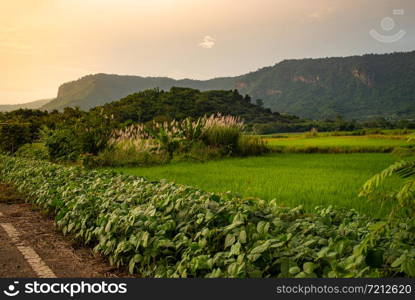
(98, 89)
(29, 105)
(355, 87)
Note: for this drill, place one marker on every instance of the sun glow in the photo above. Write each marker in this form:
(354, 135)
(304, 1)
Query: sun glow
(44, 43)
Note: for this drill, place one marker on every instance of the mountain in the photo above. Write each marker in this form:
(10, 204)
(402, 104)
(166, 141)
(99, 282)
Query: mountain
(94, 90)
(355, 87)
(29, 105)
(179, 103)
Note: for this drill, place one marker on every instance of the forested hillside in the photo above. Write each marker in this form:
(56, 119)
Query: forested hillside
(357, 87)
(180, 103)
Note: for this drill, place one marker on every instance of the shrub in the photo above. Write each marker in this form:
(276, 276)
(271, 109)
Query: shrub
(202, 139)
(225, 138)
(161, 229)
(199, 151)
(62, 144)
(84, 134)
(91, 161)
(93, 132)
(251, 145)
(312, 133)
(13, 135)
(33, 151)
(127, 154)
(223, 132)
(168, 135)
(402, 216)
(369, 131)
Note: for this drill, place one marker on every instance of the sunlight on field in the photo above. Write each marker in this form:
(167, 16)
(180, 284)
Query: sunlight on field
(339, 141)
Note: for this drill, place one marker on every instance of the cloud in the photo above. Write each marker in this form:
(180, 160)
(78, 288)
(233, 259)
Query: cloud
(321, 13)
(208, 42)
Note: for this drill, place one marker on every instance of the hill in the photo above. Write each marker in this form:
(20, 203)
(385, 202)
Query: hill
(356, 87)
(179, 103)
(98, 89)
(29, 105)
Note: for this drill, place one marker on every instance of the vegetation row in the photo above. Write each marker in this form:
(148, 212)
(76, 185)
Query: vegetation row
(161, 229)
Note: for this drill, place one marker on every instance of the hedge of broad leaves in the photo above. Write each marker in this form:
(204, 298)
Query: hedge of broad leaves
(161, 229)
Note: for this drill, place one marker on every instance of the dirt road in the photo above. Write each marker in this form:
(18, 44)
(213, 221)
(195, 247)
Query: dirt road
(30, 245)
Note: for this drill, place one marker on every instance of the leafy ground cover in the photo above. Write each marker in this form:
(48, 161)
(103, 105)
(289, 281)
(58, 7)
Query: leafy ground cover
(293, 179)
(161, 229)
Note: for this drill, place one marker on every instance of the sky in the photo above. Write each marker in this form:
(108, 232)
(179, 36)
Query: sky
(44, 43)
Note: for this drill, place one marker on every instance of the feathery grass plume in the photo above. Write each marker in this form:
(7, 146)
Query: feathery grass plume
(223, 132)
(220, 133)
(218, 120)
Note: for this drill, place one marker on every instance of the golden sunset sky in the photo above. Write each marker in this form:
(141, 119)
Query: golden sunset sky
(44, 43)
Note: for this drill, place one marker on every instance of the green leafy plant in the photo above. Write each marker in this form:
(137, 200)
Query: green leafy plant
(93, 132)
(401, 221)
(33, 151)
(404, 197)
(212, 136)
(161, 229)
(62, 144)
(88, 134)
(168, 136)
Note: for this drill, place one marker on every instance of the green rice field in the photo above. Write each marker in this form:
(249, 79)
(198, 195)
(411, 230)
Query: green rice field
(291, 178)
(336, 144)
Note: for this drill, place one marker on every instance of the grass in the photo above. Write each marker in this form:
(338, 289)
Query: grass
(336, 144)
(399, 133)
(293, 179)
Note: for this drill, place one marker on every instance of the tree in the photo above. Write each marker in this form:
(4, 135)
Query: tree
(260, 102)
(13, 135)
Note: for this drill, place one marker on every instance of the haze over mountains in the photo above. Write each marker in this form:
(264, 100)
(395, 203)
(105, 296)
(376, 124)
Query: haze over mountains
(29, 105)
(356, 87)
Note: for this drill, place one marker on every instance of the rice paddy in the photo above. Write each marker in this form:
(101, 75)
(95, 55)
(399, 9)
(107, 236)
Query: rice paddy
(291, 178)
